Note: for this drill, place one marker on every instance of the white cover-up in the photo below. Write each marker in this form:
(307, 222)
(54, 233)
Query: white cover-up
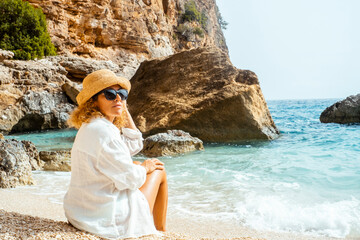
(104, 197)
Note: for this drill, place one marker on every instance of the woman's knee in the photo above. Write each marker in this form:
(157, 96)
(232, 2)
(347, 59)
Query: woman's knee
(159, 174)
(163, 175)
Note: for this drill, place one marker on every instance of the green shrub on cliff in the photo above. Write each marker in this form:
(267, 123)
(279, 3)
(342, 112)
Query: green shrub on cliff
(198, 31)
(182, 28)
(23, 30)
(193, 14)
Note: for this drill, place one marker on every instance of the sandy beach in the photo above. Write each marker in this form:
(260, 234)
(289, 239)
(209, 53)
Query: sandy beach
(30, 216)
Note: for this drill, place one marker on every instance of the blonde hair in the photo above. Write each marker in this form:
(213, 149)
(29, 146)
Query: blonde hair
(88, 111)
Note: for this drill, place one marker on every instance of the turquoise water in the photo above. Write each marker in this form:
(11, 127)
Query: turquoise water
(306, 181)
(49, 140)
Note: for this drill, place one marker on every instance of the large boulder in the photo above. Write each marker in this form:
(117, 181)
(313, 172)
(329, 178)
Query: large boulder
(345, 111)
(15, 168)
(172, 142)
(201, 92)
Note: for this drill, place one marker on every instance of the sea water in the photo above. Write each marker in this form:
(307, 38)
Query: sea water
(306, 181)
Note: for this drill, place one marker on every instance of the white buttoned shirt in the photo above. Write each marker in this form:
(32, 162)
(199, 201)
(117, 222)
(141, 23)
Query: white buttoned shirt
(104, 197)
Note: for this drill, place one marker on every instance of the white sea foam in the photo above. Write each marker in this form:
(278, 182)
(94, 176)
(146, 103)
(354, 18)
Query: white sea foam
(335, 219)
(274, 213)
(283, 186)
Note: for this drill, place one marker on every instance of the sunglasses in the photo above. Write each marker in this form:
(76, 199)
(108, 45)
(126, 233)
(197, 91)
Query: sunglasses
(110, 94)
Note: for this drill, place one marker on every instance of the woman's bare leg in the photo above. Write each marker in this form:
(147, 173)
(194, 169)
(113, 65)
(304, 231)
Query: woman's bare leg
(155, 190)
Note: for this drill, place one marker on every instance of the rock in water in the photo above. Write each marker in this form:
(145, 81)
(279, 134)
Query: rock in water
(345, 111)
(171, 143)
(200, 92)
(15, 168)
(56, 160)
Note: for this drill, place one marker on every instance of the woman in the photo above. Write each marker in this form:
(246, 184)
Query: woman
(110, 195)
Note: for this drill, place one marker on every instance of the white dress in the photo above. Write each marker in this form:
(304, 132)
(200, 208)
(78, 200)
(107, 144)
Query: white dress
(104, 197)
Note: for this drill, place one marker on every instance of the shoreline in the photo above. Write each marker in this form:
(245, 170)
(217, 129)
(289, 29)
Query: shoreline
(30, 209)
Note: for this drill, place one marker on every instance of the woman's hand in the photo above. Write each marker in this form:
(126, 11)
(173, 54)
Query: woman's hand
(130, 122)
(125, 105)
(152, 164)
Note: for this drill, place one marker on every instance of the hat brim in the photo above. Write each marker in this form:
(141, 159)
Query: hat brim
(88, 92)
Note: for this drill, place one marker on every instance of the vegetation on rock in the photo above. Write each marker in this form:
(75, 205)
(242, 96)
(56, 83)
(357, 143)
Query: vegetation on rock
(193, 14)
(23, 30)
(198, 31)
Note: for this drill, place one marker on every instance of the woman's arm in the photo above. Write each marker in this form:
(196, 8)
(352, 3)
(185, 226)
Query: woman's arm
(114, 161)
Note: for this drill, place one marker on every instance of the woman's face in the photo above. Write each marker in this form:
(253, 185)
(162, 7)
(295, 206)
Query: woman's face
(110, 108)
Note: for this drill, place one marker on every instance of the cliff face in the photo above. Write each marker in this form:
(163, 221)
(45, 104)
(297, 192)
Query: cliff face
(127, 31)
(224, 103)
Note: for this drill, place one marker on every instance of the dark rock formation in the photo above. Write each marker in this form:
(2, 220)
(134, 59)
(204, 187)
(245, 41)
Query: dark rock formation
(345, 111)
(56, 160)
(15, 168)
(201, 92)
(171, 143)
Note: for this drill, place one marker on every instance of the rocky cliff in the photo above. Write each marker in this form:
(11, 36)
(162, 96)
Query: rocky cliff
(128, 31)
(200, 90)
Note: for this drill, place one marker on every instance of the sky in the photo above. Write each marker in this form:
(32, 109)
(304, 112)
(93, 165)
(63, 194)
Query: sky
(299, 49)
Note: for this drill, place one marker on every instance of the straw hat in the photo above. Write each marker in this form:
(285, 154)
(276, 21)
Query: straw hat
(99, 80)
